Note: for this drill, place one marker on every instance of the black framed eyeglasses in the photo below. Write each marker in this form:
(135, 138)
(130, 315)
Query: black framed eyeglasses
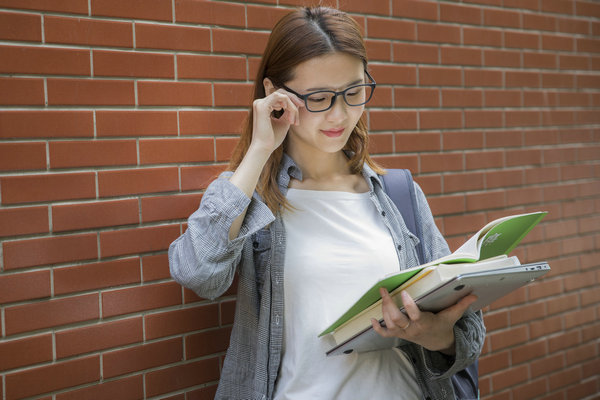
(323, 100)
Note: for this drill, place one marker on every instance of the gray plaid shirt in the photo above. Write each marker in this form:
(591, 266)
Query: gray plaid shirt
(205, 260)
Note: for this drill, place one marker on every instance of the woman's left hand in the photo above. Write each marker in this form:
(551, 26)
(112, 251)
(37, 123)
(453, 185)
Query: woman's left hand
(435, 332)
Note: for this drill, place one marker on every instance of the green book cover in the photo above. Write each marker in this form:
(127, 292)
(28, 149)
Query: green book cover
(496, 238)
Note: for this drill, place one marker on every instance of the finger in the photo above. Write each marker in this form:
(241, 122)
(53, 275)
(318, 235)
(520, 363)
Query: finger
(378, 328)
(393, 317)
(411, 308)
(456, 311)
(285, 104)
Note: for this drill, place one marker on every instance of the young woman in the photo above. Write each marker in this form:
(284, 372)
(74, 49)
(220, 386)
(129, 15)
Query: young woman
(302, 218)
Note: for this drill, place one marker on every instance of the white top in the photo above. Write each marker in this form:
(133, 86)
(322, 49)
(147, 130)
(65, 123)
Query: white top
(341, 248)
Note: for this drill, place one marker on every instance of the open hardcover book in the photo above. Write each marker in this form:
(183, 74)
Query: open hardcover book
(484, 253)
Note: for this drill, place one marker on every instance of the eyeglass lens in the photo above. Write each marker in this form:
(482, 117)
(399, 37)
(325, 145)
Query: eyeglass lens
(353, 96)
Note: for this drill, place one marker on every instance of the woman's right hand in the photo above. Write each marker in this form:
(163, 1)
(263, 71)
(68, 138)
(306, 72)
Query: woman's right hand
(268, 132)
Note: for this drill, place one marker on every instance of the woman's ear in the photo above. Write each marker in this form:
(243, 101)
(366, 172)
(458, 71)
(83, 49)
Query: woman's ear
(269, 87)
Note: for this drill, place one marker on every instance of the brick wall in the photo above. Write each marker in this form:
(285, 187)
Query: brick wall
(114, 115)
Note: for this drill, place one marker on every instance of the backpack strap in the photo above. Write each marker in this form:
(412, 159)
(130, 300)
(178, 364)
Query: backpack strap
(398, 184)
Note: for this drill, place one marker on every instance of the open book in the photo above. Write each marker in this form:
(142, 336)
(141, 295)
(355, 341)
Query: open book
(496, 238)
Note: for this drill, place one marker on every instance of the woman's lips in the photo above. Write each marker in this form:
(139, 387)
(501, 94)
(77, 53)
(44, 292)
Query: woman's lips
(333, 132)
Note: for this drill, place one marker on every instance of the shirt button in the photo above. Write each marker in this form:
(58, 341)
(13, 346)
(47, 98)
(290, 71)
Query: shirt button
(399, 247)
(383, 213)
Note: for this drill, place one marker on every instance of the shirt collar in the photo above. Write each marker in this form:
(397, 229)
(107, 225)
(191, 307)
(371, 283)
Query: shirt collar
(288, 170)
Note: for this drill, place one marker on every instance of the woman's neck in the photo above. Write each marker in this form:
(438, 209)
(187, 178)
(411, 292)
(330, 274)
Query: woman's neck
(327, 171)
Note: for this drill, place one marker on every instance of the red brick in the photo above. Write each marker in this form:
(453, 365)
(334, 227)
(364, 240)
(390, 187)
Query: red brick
(174, 93)
(501, 58)
(485, 159)
(421, 141)
(495, 17)
(435, 32)
(24, 286)
(67, 6)
(224, 148)
(192, 66)
(21, 91)
(475, 77)
(96, 276)
(416, 97)
(539, 22)
(71, 154)
(462, 98)
(233, 94)
(481, 36)
(49, 314)
(51, 123)
(521, 40)
(462, 14)
(44, 60)
(127, 388)
(22, 156)
(538, 60)
(442, 162)
(94, 215)
(47, 187)
(204, 12)
(378, 50)
(137, 240)
(23, 352)
(461, 56)
(194, 178)
(164, 208)
(98, 337)
(52, 377)
(87, 32)
(182, 376)
(181, 321)
(23, 220)
(393, 120)
(381, 143)
(564, 378)
(49, 250)
(234, 41)
(141, 298)
(263, 17)
(124, 182)
(494, 362)
(462, 140)
(155, 267)
(522, 118)
(567, 61)
(137, 9)
(385, 28)
(529, 351)
(133, 64)
(136, 123)
(416, 9)
(434, 119)
(508, 338)
(139, 358)
(211, 122)
(440, 76)
(447, 205)
(394, 74)
(21, 27)
(416, 53)
(482, 119)
(169, 37)
(502, 98)
(90, 92)
(462, 182)
(207, 343)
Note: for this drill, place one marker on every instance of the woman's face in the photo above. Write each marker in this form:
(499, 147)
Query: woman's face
(326, 131)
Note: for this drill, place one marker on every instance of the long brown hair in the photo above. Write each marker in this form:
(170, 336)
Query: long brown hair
(299, 36)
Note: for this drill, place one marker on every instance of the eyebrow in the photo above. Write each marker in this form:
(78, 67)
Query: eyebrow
(356, 82)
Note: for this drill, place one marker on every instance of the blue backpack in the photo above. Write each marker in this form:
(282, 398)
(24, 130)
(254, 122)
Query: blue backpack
(398, 184)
